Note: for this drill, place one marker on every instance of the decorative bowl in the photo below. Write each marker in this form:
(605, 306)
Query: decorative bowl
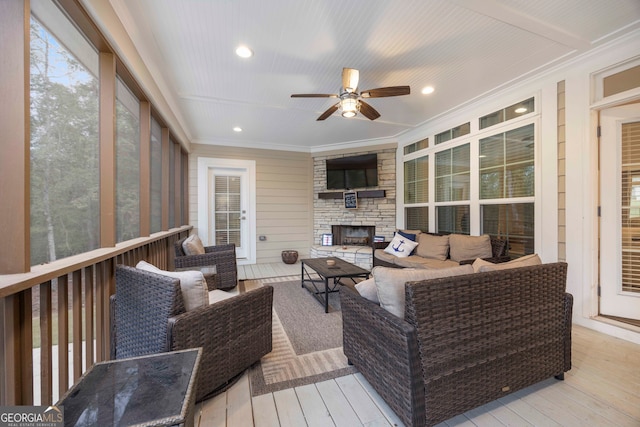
(331, 262)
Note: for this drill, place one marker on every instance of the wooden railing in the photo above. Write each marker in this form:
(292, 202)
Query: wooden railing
(48, 316)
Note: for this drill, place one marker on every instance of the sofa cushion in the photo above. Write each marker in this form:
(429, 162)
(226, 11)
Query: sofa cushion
(400, 246)
(192, 245)
(481, 265)
(192, 284)
(367, 289)
(462, 247)
(382, 255)
(430, 246)
(416, 261)
(390, 283)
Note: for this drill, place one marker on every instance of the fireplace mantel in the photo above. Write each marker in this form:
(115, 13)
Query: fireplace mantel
(365, 194)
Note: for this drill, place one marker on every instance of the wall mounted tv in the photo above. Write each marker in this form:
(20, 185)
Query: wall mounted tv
(352, 172)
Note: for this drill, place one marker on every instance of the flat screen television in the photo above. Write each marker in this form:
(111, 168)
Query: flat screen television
(352, 172)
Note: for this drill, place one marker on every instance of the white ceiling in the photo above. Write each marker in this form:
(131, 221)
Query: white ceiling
(463, 48)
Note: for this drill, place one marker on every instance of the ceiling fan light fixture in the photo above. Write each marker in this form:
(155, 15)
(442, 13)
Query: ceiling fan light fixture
(244, 52)
(349, 106)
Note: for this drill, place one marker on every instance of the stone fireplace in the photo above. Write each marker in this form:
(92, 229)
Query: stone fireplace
(353, 229)
(353, 235)
(377, 212)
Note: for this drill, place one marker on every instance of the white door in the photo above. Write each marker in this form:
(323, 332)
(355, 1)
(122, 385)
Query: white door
(620, 212)
(226, 205)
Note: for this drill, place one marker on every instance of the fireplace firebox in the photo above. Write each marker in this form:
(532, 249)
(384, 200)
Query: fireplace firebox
(353, 235)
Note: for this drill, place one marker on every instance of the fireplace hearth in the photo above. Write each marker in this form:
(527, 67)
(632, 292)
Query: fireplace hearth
(353, 235)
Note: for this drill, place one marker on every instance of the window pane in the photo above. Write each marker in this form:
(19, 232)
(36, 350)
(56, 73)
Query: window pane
(227, 209)
(506, 164)
(453, 174)
(127, 164)
(417, 218)
(452, 219)
(65, 211)
(420, 145)
(514, 222)
(416, 180)
(508, 113)
(156, 176)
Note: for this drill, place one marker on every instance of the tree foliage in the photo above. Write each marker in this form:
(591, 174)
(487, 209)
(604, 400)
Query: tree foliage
(64, 152)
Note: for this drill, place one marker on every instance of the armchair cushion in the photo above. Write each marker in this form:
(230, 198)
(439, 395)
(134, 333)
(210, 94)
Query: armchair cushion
(192, 245)
(464, 247)
(390, 283)
(217, 295)
(192, 284)
(367, 288)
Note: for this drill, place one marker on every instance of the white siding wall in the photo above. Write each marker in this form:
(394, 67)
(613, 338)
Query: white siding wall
(284, 197)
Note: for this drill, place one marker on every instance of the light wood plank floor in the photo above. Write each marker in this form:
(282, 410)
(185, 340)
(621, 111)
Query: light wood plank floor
(602, 389)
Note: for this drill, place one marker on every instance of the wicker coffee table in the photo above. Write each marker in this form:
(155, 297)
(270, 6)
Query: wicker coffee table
(341, 269)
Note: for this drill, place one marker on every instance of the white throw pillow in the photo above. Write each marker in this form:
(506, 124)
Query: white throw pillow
(192, 284)
(390, 283)
(525, 261)
(192, 245)
(400, 246)
(463, 247)
(367, 289)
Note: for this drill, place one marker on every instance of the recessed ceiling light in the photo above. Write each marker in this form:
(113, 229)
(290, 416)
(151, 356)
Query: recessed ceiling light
(244, 52)
(427, 90)
(237, 129)
(521, 110)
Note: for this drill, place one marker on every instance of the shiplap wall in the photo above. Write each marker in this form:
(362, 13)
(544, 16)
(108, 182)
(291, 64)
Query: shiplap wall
(562, 211)
(284, 197)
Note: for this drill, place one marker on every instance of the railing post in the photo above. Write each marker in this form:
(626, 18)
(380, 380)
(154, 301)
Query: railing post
(16, 354)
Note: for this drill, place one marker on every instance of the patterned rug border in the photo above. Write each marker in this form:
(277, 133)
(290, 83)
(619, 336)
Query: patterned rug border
(286, 362)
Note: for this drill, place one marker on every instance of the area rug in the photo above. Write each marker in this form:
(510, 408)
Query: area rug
(307, 342)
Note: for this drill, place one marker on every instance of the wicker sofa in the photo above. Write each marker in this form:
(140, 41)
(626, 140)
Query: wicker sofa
(464, 341)
(498, 254)
(148, 316)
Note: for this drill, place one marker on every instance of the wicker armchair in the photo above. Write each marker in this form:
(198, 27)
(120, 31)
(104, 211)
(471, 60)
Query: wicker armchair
(465, 340)
(148, 316)
(222, 256)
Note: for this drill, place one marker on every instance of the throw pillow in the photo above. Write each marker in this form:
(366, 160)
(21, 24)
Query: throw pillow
(410, 236)
(400, 246)
(390, 283)
(462, 247)
(525, 261)
(367, 289)
(430, 246)
(193, 245)
(192, 284)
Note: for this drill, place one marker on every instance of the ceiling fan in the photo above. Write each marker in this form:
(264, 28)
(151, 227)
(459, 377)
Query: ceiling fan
(351, 101)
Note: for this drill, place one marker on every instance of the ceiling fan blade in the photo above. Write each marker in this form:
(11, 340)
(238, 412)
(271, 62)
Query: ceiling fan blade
(329, 112)
(368, 111)
(314, 95)
(350, 77)
(383, 92)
